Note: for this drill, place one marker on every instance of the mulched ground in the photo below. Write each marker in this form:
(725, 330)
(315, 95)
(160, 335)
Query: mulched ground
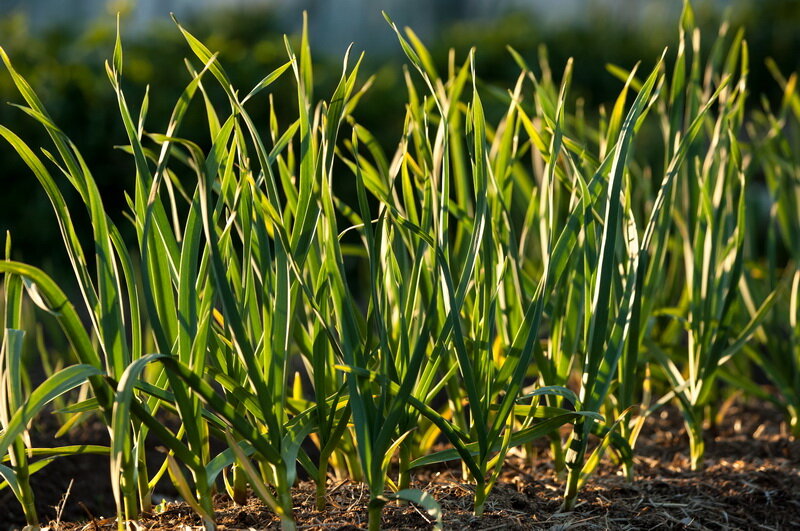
(751, 481)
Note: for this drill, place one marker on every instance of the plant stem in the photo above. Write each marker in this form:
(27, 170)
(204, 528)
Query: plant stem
(27, 501)
(556, 447)
(627, 464)
(480, 498)
(571, 492)
(145, 497)
(288, 524)
(697, 446)
(794, 422)
(404, 478)
(284, 491)
(629, 471)
(129, 490)
(322, 478)
(19, 461)
(375, 510)
(239, 486)
(574, 463)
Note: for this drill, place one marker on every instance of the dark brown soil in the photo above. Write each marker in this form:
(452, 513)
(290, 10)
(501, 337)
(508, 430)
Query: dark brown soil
(751, 481)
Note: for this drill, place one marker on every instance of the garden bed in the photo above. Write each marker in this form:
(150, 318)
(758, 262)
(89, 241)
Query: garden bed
(751, 481)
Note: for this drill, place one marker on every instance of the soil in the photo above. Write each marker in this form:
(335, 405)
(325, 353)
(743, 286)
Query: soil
(751, 481)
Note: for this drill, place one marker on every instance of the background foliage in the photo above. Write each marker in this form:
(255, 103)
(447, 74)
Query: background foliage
(65, 63)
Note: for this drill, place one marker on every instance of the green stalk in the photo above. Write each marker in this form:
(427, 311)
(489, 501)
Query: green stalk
(697, 445)
(239, 486)
(145, 493)
(794, 421)
(321, 483)
(284, 491)
(374, 514)
(404, 478)
(130, 489)
(19, 462)
(574, 463)
(27, 498)
(11, 388)
(559, 456)
(482, 491)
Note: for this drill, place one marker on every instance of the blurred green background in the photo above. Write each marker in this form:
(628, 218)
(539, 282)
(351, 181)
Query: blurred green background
(61, 47)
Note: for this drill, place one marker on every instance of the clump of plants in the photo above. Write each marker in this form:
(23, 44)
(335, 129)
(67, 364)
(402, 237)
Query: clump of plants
(492, 279)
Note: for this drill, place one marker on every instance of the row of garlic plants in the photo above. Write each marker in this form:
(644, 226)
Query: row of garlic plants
(490, 282)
